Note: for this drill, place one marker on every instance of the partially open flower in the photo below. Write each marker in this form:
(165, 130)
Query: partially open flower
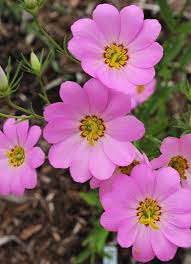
(35, 64)
(19, 157)
(118, 48)
(31, 4)
(150, 211)
(176, 153)
(4, 84)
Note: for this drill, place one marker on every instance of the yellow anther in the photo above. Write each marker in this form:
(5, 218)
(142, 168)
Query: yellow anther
(116, 56)
(92, 128)
(16, 156)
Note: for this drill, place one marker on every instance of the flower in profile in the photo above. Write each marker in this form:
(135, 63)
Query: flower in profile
(4, 83)
(176, 153)
(118, 48)
(126, 170)
(36, 65)
(19, 157)
(142, 93)
(150, 211)
(90, 131)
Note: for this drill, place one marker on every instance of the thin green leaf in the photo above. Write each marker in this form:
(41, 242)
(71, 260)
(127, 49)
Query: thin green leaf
(167, 14)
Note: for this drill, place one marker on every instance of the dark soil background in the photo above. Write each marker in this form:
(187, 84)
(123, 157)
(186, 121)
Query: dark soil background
(48, 225)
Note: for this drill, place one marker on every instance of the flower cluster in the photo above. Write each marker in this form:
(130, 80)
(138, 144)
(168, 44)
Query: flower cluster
(91, 132)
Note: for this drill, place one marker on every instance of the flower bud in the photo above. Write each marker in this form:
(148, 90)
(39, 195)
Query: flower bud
(31, 4)
(35, 64)
(4, 84)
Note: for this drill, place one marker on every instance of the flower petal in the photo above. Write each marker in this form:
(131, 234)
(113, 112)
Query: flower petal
(112, 197)
(137, 75)
(148, 57)
(115, 79)
(73, 94)
(22, 131)
(167, 183)
(60, 129)
(145, 177)
(185, 145)
(16, 186)
(94, 183)
(179, 220)
(80, 46)
(127, 232)
(142, 249)
(170, 146)
(5, 178)
(87, 29)
(62, 153)
(35, 157)
(111, 219)
(163, 248)
(129, 25)
(178, 202)
(126, 128)
(106, 15)
(120, 153)
(79, 167)
(33, 136)
(4, 142)
(159, 162)
(28, 177)
(98, 96)
(179, 236)
(148, 34)
(60, 110)
(113, 110)
(10, 131)
(100, 165)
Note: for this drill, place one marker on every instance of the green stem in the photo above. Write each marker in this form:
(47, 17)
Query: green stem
(53, 42)
(21, 109)
(43, 90)
(14, 116)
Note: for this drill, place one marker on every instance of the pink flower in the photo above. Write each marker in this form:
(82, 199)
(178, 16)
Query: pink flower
(150, 212)
(139, 159)
(18, 157)
(142, 93)
(118, 48)
(90, 130)
(176, 152)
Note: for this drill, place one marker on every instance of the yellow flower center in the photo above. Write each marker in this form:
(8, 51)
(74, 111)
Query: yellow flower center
(127, 169)
(16, 156)
(116, 56)
(149, 213)
(180, 164)
(92, 128)
(140, 89)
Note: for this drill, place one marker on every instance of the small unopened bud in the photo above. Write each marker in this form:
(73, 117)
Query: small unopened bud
(31, 4)
(35, 64)
(4, 84)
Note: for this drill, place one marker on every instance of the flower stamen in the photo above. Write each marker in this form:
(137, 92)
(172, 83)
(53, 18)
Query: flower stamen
(127, 169)
(116, 56)
(92, 128)
(16, 156)
(180, 164)
(140, 89)
(149, 212)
